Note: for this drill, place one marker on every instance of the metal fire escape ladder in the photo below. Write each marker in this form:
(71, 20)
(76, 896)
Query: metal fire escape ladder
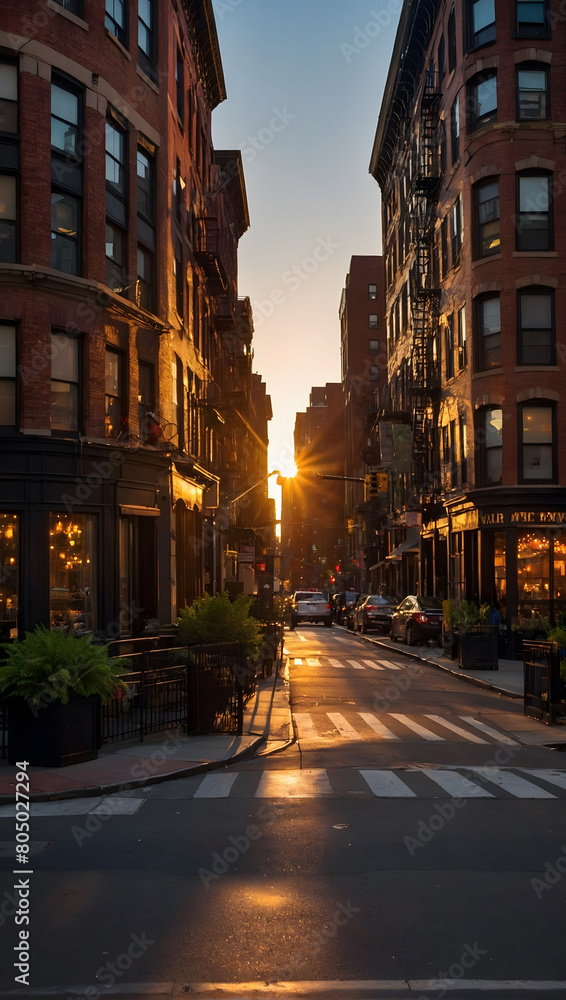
(425, 296)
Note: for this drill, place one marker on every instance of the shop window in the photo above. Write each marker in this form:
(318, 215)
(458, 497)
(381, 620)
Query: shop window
(455, 130)
(72, 572)
(482, 101)
(490, 441)
(532, 93)
(7, 375)
(500, 572)
(8, 97)
(8, 219)
(487, 240)
(114, 412)
(452, 40)
(538, 437)
(482, 22)
(534, 217)
(64, 382)
(536, 327)
(462, 344)
(559, 576)
(147, 41)
(9, 576)
(488, 340)
(533, 575)
(116, 20)
(532, 19)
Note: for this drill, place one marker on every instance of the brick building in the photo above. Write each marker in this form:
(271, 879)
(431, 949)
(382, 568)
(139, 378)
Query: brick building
(470, 160)
(119, 318)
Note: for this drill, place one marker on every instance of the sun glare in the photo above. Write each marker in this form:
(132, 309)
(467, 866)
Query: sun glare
(288, 468)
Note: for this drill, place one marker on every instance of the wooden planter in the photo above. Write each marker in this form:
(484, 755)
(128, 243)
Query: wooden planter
(450, 644)
(477, 648)
(54, 735)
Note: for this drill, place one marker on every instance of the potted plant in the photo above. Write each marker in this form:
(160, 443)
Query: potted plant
(532, 630)
(477, 641)
(449, 633)
(54, 683)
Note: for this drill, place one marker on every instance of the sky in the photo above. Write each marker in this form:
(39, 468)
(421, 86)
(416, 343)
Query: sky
(304, 80)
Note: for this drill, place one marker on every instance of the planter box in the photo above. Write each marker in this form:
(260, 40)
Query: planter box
(54, 735)
(477, 648)
(450, 644)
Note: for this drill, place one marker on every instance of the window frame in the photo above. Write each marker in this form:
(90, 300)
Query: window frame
(462, 338)
(12, 379)
(115, 29)
(539, 404)
(530, 30)
(536, 290)
(8, 101)
(456, 228)
(452, 44)
(120, 395)
(77, 339)
(480, 352)
(483, 414)
(67, 175)
(533, 67)
(455, 130)
(148, 61)
(475, 39)
(373, 321)
(75, 7)
(476, 120)
(523, 175)
(12, 175)
(479, 252)
(372, 291)
(449, 347)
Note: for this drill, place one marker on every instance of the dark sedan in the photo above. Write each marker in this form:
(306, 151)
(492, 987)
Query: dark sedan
(375, 612)
(417, 619)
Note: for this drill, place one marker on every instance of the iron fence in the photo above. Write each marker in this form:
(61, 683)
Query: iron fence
(543, 686)
(3, 730)
(221, 678)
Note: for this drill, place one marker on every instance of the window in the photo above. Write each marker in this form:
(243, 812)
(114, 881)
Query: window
(147, 47)
(9, 571)
(8, 219)
(113, 394)
(444, 244)
(73, 6)
(536, 327)
(532, 19)
(373, 321)
(455, 130)
(179, 400)
(482, 22)
(64, 383)
(537, 425)
(449, 346)
(487, 239)
(72, 572)
(116, 169)
(146, 400)
(532, 93)
(491, 444)
(462, 346)
(179, 80)
(463, 429)
(373, 373)
(441, 57)
(146, 226)
(452, 40)
(374, 347)
(482, 100)
(146, 182)
(146, 280)
(457, 217)
(179, 278)
(534, 220)
(115, 257)
(116, 20)
(7, 375)
(489, 333)
(372, 291)
(116, 201)
(66, 177)
(8, 97)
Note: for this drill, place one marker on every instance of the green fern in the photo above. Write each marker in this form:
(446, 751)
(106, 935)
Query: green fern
(50, 665)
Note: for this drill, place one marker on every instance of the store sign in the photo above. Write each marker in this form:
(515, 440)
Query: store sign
(506, 518)
(246, 554)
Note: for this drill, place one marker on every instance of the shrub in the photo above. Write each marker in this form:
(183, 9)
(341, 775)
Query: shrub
(218, 619)
(54, 666)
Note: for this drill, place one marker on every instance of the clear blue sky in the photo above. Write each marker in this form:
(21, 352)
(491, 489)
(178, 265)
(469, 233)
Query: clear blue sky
(304, 82)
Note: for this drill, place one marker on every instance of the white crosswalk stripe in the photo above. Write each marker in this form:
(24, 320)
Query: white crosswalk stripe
(337, 663)
(313, 662)
(343, 727)
(373, 665)
(356, 664)
(417, 728)
(457, 786)
(390, 666)
(305, 726)
(377, 726)
(548, 774)
(298, 661)
(216, 786)
(500, 737)
(101, 805)
(455, 729)
(387, 784)
(512, 783)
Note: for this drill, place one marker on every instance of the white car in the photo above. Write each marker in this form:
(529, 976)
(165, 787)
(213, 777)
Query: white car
(310, 606)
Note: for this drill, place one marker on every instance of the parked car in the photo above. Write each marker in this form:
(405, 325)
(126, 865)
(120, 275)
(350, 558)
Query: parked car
(310, 606)
(374, 612)
(416, 619)
(352, 610)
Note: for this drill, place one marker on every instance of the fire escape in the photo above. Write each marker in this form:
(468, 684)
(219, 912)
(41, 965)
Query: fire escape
(425, 389)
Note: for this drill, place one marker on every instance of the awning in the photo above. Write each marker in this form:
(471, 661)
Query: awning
(131, 511)
(407, 546)
(377, 565)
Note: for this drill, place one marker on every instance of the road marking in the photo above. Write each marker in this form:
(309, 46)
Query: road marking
(390, 666)
(343, 727)
(337, 663)
(98, 804)
(378, 726)
(500, 737)
(456, 729)
(417, 728)
(356, 664)
(373, 665)
(298, 661)
(216, 786)
(512, 783)
(547, 774)
(456, 785)
(313, 662)
(387, 785)
(305, 726)
(295, 784)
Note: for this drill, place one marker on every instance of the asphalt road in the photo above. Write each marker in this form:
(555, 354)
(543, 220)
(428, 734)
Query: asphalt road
(385, 845)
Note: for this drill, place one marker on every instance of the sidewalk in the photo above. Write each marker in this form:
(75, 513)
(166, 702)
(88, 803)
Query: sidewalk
(165, 755)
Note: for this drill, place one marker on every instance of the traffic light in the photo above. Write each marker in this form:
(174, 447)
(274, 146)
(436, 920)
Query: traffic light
(376, 483)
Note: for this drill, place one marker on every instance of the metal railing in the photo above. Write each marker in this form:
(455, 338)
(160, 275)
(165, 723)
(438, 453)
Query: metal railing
(543, 686)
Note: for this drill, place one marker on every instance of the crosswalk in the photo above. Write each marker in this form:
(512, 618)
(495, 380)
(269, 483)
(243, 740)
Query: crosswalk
(380, 665)
(441, 782)
(361, 726)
